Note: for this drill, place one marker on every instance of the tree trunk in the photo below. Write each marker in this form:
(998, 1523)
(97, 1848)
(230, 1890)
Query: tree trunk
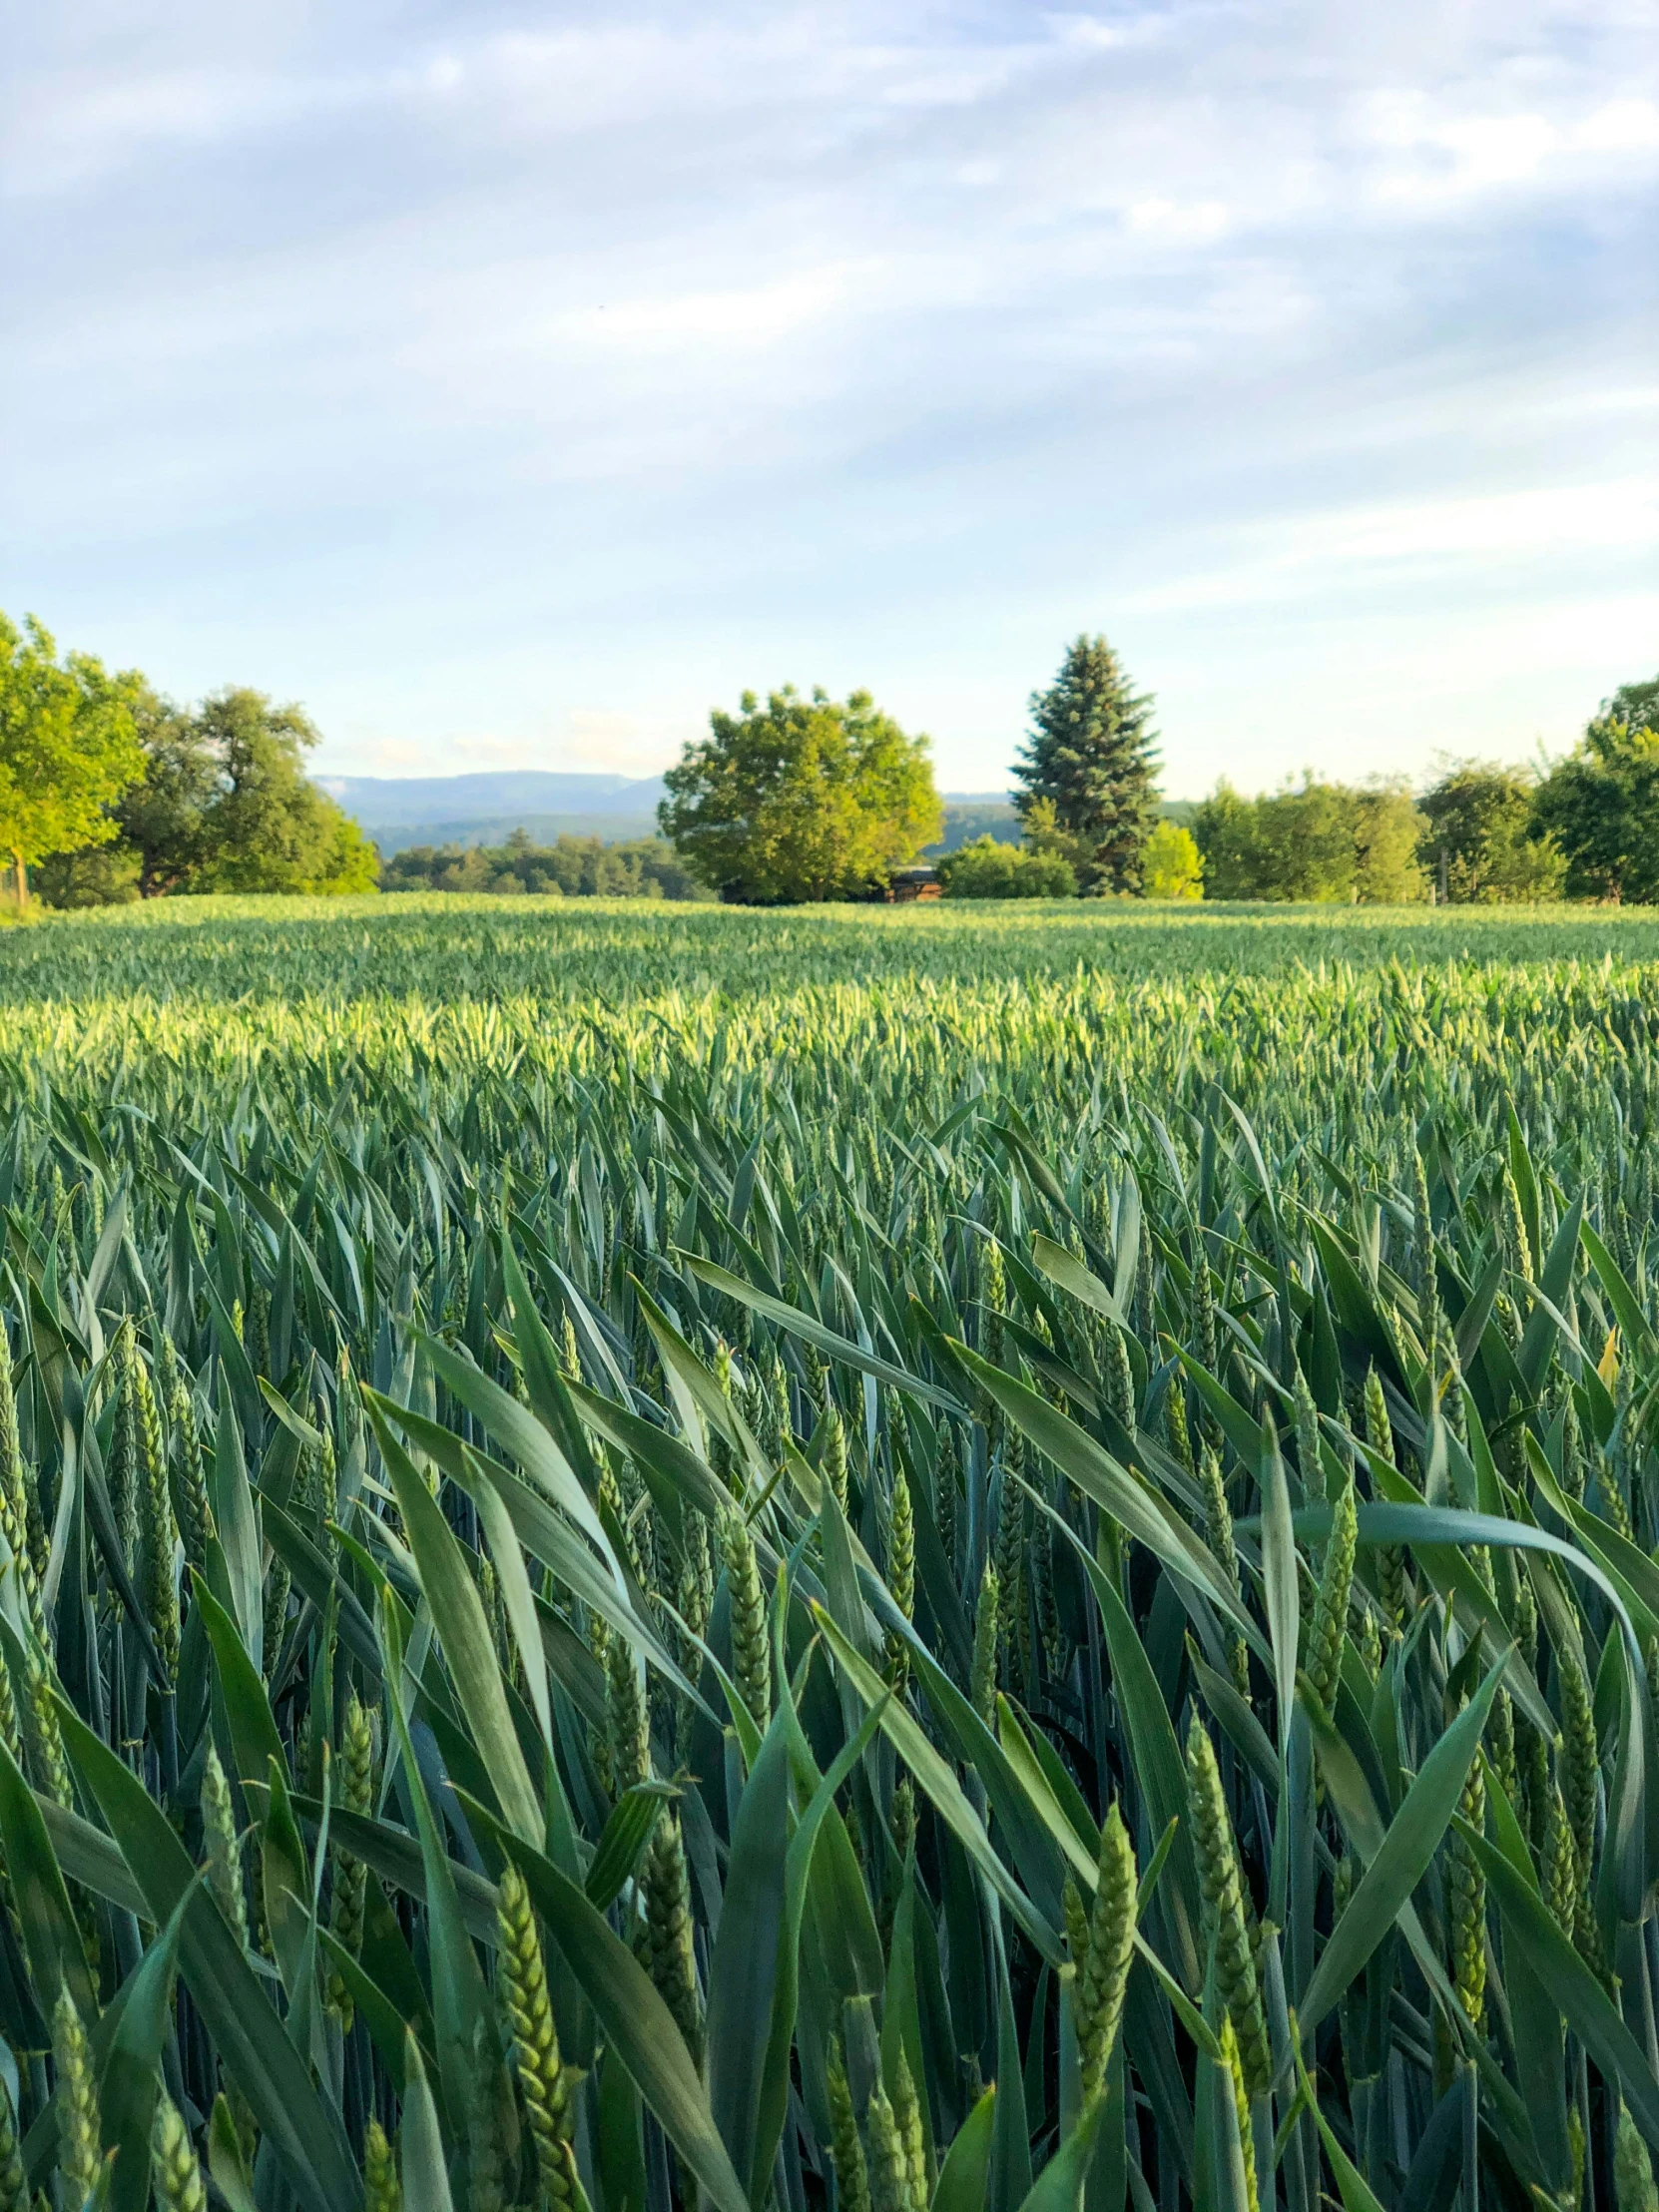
(20, 876)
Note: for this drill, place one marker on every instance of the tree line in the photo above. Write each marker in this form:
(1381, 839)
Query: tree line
(808, 798)
(1483, 833)
(109, 792)
(812, 797)
(569, 868)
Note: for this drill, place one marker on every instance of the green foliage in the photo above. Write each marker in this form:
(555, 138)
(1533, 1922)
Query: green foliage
(164, 822)
(1601, 804)
(1091, 756)
(1635, 705)
(1480, 817)
(988, 868)
(68, 747)
(571, 867)
(1316, 841)
(1228, 1338)
(1173, 867)
(1525, 867)
(268, 827)
(224, 804)
(1044, 832)
(1387, 828)
(1292, 844)
(91, 876)
(802, 799)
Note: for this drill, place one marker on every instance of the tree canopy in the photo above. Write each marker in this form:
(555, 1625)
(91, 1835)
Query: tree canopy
(1601, 804)
(162, 820)
(221, 803)
(1635, 705)
(1386, 827)
(802, 799)
(1171, 866)
(270, 829)
(68, 747)
(1314, 841)
(1481, 840)
(1089, 764)
(111, 792)
(569, 867)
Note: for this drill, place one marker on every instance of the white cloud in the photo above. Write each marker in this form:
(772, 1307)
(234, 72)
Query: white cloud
(1193, 223)
(1101, 34)
(1620, 516)
(597, 737)
(1434, 157)
(1620, 126)
(757, 315)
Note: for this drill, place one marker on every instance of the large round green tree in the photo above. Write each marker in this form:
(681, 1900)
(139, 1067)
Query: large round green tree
(1481, 843)
(1088, 768)
(268, 827)
(801, 799)
(68, 747)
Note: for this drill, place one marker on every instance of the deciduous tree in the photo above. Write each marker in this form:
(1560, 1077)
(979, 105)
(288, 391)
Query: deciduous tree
(1387, 828)
(1295, 843)
(988, 868)
(68, 747)
(160, 819)
(1315, 842)
(270, 829)
(802, 799)
(1173, 867)
(1601, 804)
(1482, 842)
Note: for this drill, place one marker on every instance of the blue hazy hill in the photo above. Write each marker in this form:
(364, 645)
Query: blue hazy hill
(485, 807)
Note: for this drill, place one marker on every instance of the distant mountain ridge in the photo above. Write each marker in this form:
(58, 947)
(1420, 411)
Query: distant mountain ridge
(398, 811)
(398, 836)
(490, 794)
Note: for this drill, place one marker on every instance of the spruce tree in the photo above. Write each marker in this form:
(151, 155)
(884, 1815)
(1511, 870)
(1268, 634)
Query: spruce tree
(1090, 757)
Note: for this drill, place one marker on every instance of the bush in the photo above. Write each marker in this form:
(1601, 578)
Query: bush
(1480, 844)
(1171, 866)
(987, 870)
(97, 876)
(1523, 867)
(1315, 842)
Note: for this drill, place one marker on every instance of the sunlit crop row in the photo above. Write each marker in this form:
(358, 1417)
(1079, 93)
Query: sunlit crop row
(878, 1560)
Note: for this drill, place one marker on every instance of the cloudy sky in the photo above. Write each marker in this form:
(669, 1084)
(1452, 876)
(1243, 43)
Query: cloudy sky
(509, 383)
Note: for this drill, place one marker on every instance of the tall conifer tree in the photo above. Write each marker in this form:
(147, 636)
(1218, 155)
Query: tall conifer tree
(1091, 757)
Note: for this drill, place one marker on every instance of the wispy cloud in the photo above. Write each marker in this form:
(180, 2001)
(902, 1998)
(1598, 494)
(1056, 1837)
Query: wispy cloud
(744, 315)
(1276, 560)
(1430, 157)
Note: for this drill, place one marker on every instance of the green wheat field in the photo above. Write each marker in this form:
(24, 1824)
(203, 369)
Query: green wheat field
(880, 1559)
